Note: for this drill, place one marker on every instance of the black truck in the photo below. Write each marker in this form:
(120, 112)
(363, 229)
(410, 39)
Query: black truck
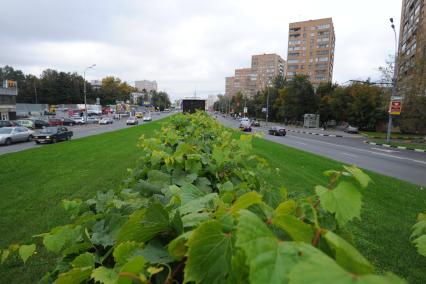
(192, 105)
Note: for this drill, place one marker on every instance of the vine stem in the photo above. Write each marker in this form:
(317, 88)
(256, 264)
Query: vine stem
(169, 279)
(317, 237)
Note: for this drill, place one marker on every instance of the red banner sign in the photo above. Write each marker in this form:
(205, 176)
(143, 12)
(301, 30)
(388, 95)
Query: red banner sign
(395, 107)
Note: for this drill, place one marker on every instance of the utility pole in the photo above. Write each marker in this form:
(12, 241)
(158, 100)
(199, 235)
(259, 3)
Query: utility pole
(84, 90)
(394, 79)
(35, 92)
(267, 105)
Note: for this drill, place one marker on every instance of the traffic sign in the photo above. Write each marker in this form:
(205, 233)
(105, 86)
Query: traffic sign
(395, 107)
(245, 109)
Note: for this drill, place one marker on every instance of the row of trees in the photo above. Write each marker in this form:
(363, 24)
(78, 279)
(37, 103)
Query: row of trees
(55, 87)
(361, 104)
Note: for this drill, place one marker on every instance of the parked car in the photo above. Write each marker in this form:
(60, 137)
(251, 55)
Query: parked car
(6, 123)
(106, 120)
(147, 117)
(53, 134)
(277, 131)
(351, 129)
(61, 121)
(9, 135)
(255, 123)
(28, 123)
(40, 123)
(245, 124)
(92, 120)
(138, 115)
(79, 120)
(132, 121)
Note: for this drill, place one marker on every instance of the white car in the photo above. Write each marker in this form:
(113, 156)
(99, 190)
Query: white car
(92, 119)
(78, 119)
(132, 121)
(8, 135)
(147, 117)
(106, 120)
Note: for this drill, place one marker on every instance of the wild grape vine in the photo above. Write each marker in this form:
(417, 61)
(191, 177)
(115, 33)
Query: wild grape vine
(197, 209)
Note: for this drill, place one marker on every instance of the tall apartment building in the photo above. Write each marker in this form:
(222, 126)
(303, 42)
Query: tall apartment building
(311, 50)
(147, 85)
(412, 43)
(264, 68)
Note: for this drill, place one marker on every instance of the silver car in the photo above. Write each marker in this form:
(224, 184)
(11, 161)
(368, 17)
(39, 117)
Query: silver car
(9, 135)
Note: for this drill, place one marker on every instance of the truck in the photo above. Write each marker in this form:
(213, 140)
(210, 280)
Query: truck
(192, 105)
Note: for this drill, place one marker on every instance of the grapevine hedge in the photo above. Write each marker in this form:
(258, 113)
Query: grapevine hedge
(195, 210)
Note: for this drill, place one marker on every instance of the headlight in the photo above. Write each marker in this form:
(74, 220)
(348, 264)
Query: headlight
(47, 137)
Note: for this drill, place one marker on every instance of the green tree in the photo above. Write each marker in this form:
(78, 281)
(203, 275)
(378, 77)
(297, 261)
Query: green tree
(324, 93)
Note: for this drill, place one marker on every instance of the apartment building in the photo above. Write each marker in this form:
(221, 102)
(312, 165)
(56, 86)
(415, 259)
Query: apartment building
(412, 43)
(264, 68)
(311, 50)
(8, 93)
(147, 85)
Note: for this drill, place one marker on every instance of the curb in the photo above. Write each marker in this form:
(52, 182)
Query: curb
(312, 133)
(397, 147)
(393, 137)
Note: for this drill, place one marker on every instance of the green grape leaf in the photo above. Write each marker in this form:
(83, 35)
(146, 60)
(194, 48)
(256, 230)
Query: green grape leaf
(347, 256)
(25, 251)
(177, 247)
(134, 266)
(193, 219)
(344, 201)
(197, 205)
(225, 187)
(421, 245)
(76, 275)
(245, 201)
(298, 230)
(104, 275)
(154, 252)
(159, 178)
(84, 260)
(189, 192)
(4, 255)
(286, 208)
(359, 175)
(209, 254)
(418, 229)
(123, 251)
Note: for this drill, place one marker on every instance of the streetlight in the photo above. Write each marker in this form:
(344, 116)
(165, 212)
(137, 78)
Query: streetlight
(84, 89)
(394, 91)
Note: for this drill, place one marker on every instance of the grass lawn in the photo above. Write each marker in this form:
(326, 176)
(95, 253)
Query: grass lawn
(34, 182)
(373, 134)
(405, 143)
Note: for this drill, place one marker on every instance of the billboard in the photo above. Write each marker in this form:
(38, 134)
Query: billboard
(395, 107)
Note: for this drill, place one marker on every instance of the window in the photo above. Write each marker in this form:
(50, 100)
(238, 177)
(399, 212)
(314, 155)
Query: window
(291, 73)
(323, 39)
(322, 27)
(322, 59)
(293, 54)
(293, 67)
(322, 45)
(293, 42)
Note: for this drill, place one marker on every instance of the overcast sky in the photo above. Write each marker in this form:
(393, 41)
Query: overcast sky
(185, 44)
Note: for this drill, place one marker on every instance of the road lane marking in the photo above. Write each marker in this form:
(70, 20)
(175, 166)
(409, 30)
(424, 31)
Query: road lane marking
(385, 150)
(350, 155)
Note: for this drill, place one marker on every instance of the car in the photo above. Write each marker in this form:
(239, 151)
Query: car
(92, 120)
(53, 134)
(61, 121)
(9, 135)
(28, 123)
(138, 115)
(6, 123)
(255, 123)
(106, 120)
(79, 120)
(39, 123)
(351, 129)
(245, 124)
(277, 131)
(132, 121)
(147, 117)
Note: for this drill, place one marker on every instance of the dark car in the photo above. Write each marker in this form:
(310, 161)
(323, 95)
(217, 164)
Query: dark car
(53, 134)
(277, 131)
(61, 121)
(38, 123)
(6, 123)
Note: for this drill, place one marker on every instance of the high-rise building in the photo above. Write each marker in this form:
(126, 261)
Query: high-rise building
(248, 81)
(147, 85)
(412, 45)
(311, 50)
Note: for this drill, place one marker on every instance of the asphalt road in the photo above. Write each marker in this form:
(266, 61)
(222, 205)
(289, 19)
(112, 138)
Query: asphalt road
(402, 164)
(79, 132)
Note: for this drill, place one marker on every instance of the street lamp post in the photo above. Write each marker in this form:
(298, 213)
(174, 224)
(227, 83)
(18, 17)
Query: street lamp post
(394, 79)
(84, 90)
(267, 105)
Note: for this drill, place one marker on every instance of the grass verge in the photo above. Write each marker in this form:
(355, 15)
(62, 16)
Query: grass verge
(404, 143)
(372, 134)
(35, 181)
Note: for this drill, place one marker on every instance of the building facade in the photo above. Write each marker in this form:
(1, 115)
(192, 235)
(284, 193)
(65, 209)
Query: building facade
(8, 93)
(311, 50)
(248, 81)
(147, 85)
(412, 46)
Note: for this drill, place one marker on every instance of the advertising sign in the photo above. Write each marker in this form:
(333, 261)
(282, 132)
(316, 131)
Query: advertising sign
(245, 109)
(395, 107)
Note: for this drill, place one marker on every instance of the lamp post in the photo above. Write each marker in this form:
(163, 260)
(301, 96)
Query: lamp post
(84, 89)
(267, 105)
(394, 78)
